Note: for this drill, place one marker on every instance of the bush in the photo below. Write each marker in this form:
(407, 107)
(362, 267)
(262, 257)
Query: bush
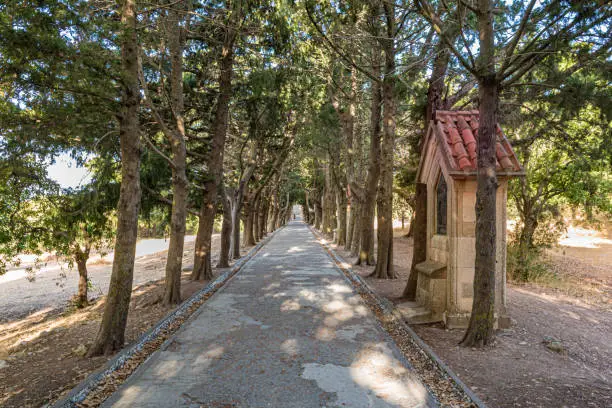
(530, 267)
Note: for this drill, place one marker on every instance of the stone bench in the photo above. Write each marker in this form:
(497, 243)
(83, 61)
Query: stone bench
(431, 287)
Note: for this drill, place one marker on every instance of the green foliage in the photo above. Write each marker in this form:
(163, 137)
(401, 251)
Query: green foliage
(562, 134)
(22, 179)
(60, 79)
(527, 267)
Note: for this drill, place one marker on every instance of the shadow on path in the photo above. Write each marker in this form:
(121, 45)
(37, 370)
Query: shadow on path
(287, 331)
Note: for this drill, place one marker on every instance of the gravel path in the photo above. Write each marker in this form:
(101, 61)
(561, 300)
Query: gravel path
(288, 331)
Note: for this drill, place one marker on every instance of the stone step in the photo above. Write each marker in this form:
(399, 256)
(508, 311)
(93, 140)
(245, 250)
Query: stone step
(414, 313)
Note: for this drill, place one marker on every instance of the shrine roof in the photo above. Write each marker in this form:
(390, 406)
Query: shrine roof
(457, 133)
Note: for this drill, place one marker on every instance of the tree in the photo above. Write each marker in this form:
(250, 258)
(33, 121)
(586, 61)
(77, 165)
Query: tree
(76, 222)
(384, 259)
(559, 134)
(528, 32)
(111, 334)
(172, 21)
(202, 268)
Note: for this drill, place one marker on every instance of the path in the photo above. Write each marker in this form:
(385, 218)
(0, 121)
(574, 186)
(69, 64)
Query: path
(287, 331)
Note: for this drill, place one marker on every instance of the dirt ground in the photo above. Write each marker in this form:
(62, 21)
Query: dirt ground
(55, 284)
(519, 370)
(42, 354)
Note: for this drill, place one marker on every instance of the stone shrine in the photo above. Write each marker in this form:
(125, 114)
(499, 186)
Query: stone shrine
(448, 169)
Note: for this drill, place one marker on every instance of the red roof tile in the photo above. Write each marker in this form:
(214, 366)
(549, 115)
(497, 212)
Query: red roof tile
(459, 129)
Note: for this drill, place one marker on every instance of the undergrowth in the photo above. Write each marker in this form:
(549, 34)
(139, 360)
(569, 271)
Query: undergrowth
(532, 267)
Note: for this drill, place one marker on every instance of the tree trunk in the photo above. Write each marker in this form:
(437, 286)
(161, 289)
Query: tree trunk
(110, 336)
(356, 241)
(226, 230)
(284, 213)
(310, 216)
(480, 330)
(418, 222)
(530, 223)
(410, 232)
(174, 262)
(329, 203)
(350, 223)
(525, 236)
(81, 258)
(341, 216)
(287, 211)
(261, 224)
(419, 227)
(366, 236)
(249, 212)
(273, 210)
(256, 221)
(352, 233)
(202, 263)
(384, 259)
(436, 87)
(318, 215)
(202, 268)
(239, 194)
(264, 221)
(235, 236)
(305, 214)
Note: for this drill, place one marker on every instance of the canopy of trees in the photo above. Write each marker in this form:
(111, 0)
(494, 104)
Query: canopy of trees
(239, 109)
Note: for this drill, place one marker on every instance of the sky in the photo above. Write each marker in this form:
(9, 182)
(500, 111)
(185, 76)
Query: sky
(66, 172)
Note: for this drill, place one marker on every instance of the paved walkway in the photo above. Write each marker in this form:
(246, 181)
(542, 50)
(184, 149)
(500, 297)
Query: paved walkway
(287, 331)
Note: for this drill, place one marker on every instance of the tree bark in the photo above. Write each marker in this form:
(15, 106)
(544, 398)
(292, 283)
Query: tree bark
(202, 268)
(329, 203)
(236, 205)
(530, 223)
(249, 214)
(419, 227)
(226, 229)
(81, 257)
(263, 214)
(366, 223)
(110, 337)
(436, 87)
(305, 214)
(273, 211)
(308, 217)
(263, 210)
(174, 262)
(284, 213)
(341, 203)
(238, 197)
(356, 241)
(480, 330)
(202, 263)
(318, 215)
(384, 259)
(256, 220)
(410, 232)
(343, 151)
(350, 224)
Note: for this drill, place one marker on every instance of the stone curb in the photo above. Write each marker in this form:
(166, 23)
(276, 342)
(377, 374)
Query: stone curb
(389, 309)
(89, 384)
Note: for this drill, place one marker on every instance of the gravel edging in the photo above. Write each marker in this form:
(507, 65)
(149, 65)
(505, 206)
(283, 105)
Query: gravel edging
(415, 349)
(98, 386)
